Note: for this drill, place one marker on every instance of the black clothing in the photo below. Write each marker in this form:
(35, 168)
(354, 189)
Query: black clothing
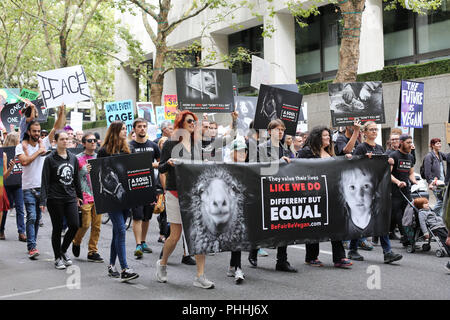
(60, 179)
(102, 153)
(166, 154)
(432, 166)
(58, 211)
(340, 144)
(402, 165)
(364, 148)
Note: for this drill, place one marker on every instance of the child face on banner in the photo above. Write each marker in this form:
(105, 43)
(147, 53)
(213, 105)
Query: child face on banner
(358, 191)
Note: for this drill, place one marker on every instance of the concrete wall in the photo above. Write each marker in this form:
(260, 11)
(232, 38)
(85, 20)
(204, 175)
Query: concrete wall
(436, 109)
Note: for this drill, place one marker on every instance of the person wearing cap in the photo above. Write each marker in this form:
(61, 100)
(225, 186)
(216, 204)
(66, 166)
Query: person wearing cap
(238, 150)
(44, 133)
(402, 175)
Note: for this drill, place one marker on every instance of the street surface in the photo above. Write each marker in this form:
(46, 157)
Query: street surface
(417, 276)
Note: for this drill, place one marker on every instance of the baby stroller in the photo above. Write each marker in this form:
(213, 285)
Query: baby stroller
(414, 233)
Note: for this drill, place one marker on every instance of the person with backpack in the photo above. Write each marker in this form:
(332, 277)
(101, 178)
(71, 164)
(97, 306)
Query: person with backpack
(433, 170)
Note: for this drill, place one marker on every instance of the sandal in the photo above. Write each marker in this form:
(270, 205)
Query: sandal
(314, 263)
(344, 263)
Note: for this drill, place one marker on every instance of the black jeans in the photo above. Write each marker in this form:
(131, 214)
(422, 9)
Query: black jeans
(281, 254)
(399, 204)
(312, 251)
(235, 260)
(58, 210)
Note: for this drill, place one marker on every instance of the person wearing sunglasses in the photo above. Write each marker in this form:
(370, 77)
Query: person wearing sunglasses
(89, 217)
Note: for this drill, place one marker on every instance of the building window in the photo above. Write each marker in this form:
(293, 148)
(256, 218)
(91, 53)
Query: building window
(413, 38)
(252, 40)
(317, 46)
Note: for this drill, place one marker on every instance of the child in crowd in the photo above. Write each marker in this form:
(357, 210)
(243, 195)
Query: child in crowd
(435, 223)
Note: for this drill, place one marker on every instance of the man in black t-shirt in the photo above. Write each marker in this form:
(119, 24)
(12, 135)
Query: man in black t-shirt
(402, 175)
(349, 140)
(143, 214)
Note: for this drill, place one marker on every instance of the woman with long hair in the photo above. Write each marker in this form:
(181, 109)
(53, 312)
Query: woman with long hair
(115, 143)
(320, 146)
(61, 194)
(183, 144)
(368, 148)
(4, 202)
(15, 194)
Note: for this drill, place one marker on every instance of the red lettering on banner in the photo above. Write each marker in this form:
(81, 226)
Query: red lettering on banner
(284, 187)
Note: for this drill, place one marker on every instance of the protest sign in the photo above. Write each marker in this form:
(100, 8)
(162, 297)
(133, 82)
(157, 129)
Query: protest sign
(66, 85)
(204, 90)
(306, 200)
(28, 94)
(15, 178)
(11, 115)
(302, 125)
(246, 108)
(235, 84)
(160, 114)
(411, 104)
(120, 111)
(76, 121)
(260, 72)
(145, 111)
(170, 104)
(9, 95)
(122, 182)
(351, 100)
(275, 103)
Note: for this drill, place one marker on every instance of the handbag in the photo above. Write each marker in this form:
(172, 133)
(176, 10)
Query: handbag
(160, 205)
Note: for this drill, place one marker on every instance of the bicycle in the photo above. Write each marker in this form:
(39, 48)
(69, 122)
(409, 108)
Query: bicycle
(106, 218)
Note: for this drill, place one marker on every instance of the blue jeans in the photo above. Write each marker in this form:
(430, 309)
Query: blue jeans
(439, 204)
(32, 203)
(15, 197)
(384, 241)
(118, 219)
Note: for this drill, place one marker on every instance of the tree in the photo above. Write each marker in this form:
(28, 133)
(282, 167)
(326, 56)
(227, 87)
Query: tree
(17, 31)
(351, 11)
(66, 33)
(167, 58)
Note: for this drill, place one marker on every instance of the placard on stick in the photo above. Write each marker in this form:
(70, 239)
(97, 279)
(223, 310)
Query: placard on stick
(66, 85)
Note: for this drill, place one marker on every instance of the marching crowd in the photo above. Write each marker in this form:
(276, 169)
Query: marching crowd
(57, 180)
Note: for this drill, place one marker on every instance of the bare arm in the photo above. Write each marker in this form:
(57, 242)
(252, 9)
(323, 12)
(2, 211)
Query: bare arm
(59, 123)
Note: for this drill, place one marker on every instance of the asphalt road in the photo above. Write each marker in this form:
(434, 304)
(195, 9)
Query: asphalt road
(417, 276)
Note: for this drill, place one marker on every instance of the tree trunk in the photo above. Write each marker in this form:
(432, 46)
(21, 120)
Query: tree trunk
(351, 11)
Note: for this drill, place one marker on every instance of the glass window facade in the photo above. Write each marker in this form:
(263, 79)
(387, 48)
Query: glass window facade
(413, 38)
(252, 40)
(317, 46)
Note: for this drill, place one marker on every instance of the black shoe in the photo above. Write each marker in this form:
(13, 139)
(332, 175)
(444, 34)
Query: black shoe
(76, 250)
(188, 260)
(253, 262)
(354, 255)
(94, 257)
(391, 257)
(127, 275)
(112, 272)
(285, 266)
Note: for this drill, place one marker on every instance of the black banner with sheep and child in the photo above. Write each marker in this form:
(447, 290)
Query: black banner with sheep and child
(236, 206)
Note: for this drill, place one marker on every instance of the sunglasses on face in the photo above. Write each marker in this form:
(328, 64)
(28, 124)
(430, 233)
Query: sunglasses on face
(91, 140)
(189, 121)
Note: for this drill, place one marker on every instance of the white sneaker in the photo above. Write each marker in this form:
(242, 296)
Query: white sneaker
(66, 259)
(59, 264)
(202, 282)
(161, 272)
(239, 276)
(230, 272)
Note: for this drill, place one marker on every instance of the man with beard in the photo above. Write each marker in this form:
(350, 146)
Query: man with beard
(31, 153)
(402, 175)
(143, 214)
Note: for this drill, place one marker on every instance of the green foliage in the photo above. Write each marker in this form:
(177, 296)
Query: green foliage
(94, 124)
(388, 74)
